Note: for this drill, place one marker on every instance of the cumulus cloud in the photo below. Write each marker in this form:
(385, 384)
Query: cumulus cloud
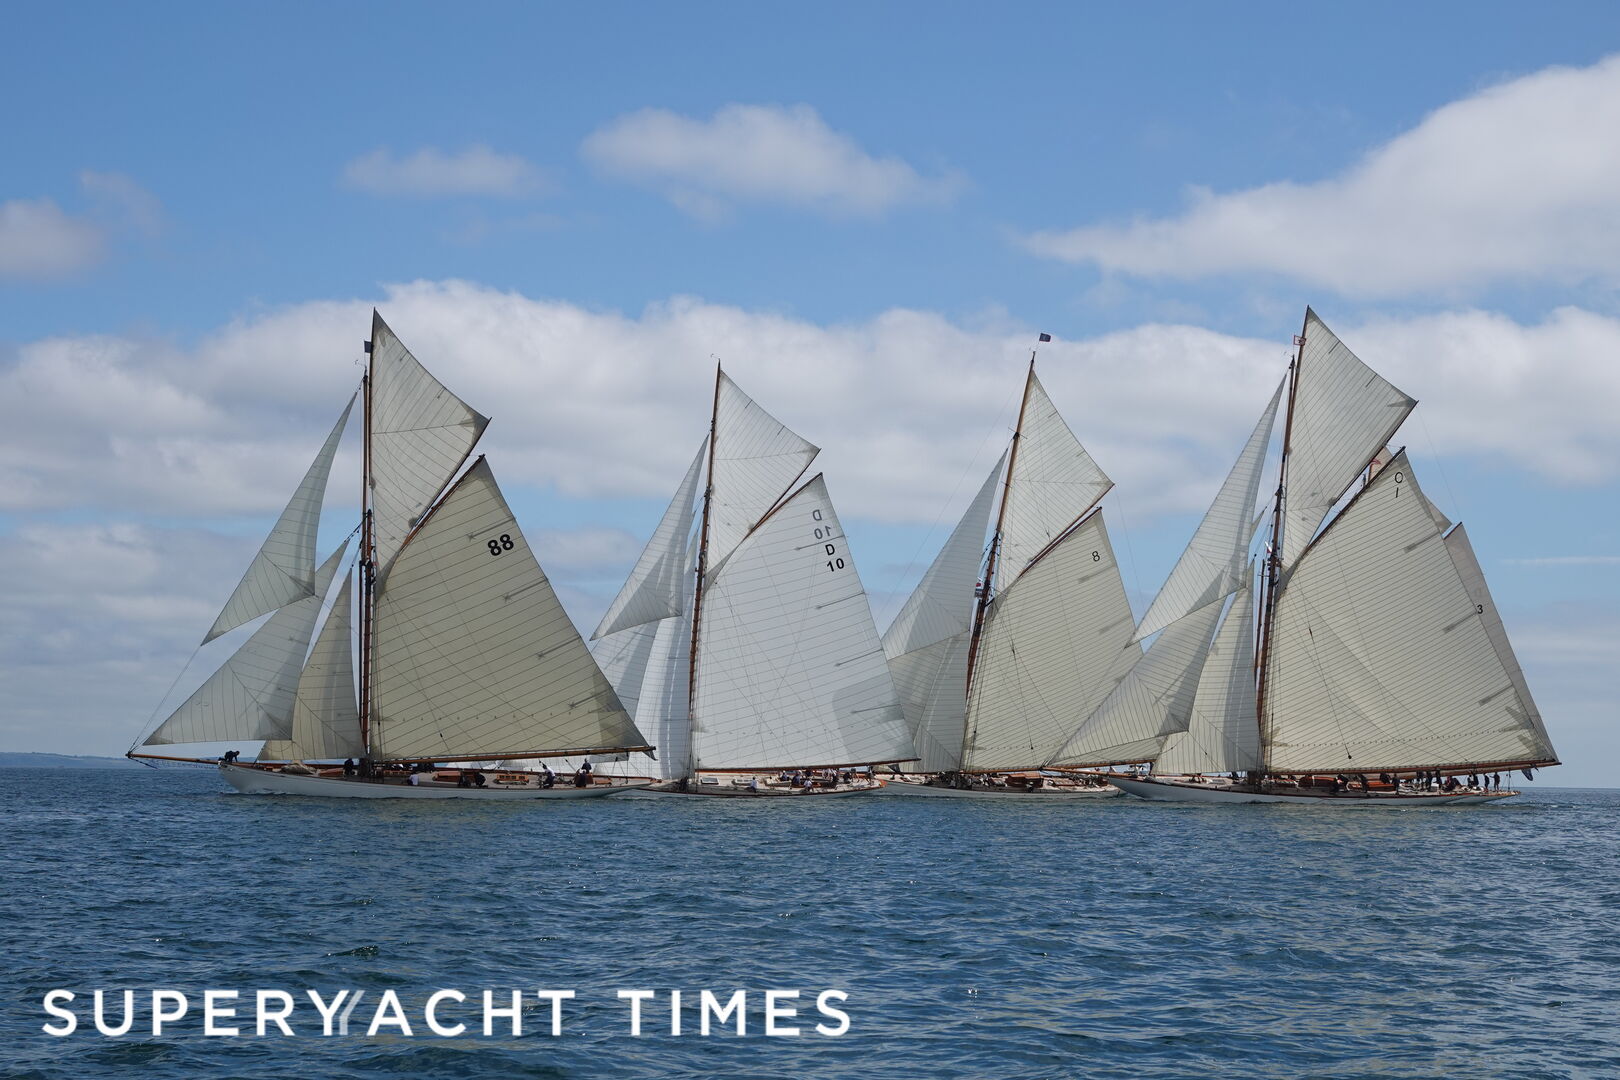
(601, 404)
(760, 154)
(477, 170)
(38, 242)
(1518, 182)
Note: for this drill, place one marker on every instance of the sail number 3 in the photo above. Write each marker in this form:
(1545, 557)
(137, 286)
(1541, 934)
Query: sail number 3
(503, 544)
(835, 562)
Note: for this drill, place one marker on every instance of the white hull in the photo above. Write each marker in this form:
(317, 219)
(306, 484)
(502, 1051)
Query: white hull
(730, 789)
(250, 781)
(918, 789)
(1166, 790)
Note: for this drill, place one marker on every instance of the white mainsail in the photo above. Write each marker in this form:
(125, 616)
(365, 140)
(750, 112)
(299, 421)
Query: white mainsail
(473, 655)
(1153, 701)
(1211, 567)
(1054, 481)
(927, 644)
(756, 460)
(284, 569)
(1380, 657)
(420, 435)
(1055, 643)
(790, 671)
(1343, 414)
(251, 696)
(658, 582)
(326, 721)
(1223, 734)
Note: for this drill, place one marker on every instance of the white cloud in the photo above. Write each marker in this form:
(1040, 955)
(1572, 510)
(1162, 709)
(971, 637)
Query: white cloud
(1518, 182)
(1567, 560)
(38, 242)
(762, 154)
(599, 404)
(477, 170)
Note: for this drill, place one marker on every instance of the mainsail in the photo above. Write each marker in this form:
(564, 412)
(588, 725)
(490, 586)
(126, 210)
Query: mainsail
(753, 465)
(1380, 656)
(473, 655)
(791, 672)
(251, 695)
(284, 568)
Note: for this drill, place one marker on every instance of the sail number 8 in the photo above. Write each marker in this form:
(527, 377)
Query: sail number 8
(503, 544)
(824, 533)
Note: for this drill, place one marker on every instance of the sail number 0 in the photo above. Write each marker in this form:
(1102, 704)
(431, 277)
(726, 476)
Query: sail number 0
(835, 562)
(503, 544)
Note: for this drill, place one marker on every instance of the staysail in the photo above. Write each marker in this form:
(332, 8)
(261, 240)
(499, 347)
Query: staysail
(927, 644)
(284, 568)
(657, 583)
(1380, 656)
(326, 722)
(791, 672)
(251, 696)
(473, 655)
(1222, 735)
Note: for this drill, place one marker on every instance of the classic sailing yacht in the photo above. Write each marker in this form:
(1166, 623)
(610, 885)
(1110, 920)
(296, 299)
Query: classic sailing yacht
(466, 653)
(996, 669)
(749, 649)
(1382, 666)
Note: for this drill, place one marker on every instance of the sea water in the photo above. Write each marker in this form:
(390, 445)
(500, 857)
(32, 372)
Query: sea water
(1112, 938)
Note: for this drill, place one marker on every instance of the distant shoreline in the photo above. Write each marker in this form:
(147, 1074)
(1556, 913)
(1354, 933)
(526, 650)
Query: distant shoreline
(29, 760)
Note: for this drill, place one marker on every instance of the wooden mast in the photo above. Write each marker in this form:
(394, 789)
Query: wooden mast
(368, 570)
(995, 550)
(1274, 558)
(697, 590)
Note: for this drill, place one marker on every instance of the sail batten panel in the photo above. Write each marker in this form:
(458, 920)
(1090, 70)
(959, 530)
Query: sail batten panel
(1379, 655)
(1343, 414)
(1223, 735)
(326, 720)
(658, 581)
(1055, 644)
(284, 568)
(756, 459)
(1152, 702)
(790, 668)
(251, 695)
(473, 654)
(420, 435)
(1054, 481)
(1212, 566)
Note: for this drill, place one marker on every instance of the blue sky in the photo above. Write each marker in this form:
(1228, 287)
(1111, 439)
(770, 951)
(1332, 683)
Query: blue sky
(868, 211)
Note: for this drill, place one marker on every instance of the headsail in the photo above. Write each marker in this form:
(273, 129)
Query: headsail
(251, 696)
(420, 435)
(791, 672)
(326, 722)
(284, 568)
(1211, 567)
(1343, 414)
(1222, 735)
(927, 644)
(657, 583)
(1056, 642)
(473, 654)
(1380, 656)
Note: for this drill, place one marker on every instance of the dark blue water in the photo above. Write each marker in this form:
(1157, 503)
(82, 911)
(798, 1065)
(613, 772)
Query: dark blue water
(1110, 939)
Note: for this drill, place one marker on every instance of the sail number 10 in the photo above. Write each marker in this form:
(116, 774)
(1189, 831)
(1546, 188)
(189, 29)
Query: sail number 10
(824, 533)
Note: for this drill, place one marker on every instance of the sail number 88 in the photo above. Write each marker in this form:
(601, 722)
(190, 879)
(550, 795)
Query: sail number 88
(503, 544)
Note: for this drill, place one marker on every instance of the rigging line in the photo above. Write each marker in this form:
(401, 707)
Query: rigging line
(1450, 494)
(1125, 528)
(151, 724)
